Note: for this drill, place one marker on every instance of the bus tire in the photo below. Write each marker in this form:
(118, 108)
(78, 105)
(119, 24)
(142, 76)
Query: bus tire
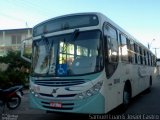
(126, 96)
(150, 85)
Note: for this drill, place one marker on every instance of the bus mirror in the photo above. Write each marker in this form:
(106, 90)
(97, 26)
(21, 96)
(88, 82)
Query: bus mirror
(26, 49)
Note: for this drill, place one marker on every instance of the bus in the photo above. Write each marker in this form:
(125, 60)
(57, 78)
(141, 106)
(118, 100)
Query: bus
(86, 63)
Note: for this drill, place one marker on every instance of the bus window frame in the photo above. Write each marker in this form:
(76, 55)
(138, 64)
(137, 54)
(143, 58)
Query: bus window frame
(110, 64)
(126, 41)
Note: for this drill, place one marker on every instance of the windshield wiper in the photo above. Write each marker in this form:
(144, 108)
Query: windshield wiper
(48, 50)
(75, 34)
(48, 46)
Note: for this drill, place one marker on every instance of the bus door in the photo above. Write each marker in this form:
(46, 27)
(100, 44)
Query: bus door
(111, 62)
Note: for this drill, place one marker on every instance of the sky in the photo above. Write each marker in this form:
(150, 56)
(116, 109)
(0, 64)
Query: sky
(141, 18)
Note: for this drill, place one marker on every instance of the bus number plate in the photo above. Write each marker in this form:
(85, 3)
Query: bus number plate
(56, 104)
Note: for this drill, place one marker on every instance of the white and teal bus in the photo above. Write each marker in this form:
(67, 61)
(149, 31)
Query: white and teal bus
(85, 63)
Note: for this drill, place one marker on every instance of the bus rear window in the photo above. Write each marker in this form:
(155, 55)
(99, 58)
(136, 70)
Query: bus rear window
(63, 23)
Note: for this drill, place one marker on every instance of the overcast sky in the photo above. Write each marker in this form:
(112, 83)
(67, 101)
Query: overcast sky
(141, 18)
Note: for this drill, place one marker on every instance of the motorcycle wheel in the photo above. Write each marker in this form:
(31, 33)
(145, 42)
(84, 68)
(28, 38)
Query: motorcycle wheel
(13, 102)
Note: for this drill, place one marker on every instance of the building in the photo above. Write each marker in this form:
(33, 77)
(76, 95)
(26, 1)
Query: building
(11, 39)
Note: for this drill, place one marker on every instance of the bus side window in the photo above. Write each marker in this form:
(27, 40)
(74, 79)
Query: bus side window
(124, 51)
(112, 43)
(129, 50)
(151, 58)
(145, 59)
(111, 49)
(136, 55)
(141, 56)
(132, 51)
(148, 58)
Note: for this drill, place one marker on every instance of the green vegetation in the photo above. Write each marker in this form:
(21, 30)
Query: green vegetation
(17, 71)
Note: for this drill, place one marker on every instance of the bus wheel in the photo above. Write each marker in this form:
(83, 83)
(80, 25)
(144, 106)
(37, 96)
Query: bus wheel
(126, 97)
(148, 90)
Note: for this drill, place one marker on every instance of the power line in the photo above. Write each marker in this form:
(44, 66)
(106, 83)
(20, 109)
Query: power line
(38, 6)
(11, 17)
(31, 6)
(24, 6)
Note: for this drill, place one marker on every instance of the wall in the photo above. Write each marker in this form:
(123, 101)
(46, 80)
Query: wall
(6, 39)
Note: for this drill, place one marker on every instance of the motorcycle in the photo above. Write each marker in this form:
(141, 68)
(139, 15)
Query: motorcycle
(11, 96)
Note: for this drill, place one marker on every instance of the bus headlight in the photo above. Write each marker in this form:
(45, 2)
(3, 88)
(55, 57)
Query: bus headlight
(90, 92)
(34, 92)
(31, 90)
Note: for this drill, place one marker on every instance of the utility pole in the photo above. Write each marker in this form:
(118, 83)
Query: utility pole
(156, 51)
(149, 44)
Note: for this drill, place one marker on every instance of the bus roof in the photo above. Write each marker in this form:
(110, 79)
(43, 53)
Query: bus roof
(102, 18)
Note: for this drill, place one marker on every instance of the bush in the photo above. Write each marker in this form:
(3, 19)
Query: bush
(16, 73)
(4, 80)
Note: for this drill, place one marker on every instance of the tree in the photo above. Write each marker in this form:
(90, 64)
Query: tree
(17, 71)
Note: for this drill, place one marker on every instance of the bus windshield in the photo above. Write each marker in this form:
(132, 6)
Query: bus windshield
(68, 55)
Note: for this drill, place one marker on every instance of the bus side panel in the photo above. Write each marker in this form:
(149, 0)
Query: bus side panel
(113, 89)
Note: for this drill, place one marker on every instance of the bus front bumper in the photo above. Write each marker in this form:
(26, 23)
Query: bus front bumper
(91, 105)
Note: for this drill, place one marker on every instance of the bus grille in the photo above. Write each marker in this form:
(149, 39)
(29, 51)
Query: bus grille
(59, 83)
(50, 95)
(65, 106)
